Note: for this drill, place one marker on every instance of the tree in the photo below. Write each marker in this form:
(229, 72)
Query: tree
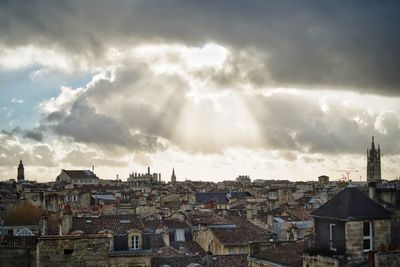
(23, 213)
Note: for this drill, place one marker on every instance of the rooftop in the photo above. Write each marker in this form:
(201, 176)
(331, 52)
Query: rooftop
(351, 204)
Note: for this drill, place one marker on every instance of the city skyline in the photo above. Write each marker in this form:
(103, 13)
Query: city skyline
(273, 90)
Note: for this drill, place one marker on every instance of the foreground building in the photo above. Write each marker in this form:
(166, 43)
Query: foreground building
(350, 229)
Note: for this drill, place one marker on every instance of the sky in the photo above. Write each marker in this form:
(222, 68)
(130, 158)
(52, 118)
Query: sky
(215, 89)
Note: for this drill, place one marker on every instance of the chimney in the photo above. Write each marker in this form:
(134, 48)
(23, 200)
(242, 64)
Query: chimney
(208, 259)
(372, 190)
(66, 220)
(165, 236)
(249, 212)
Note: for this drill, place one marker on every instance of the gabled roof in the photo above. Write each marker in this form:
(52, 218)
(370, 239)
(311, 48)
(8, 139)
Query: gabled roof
(81, 174)
(351, 204)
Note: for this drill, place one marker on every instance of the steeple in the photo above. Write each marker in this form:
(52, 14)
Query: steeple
(373, 144)
(173, 177)
(21, 174)
(373, 163)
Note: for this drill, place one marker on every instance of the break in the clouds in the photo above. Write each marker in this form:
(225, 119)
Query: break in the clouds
(216, 89)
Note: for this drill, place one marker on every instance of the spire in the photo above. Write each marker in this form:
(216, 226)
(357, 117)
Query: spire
(148, 170)
(173, 177)
(373, 144)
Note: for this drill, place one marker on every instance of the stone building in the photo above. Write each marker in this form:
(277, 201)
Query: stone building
(243, 179)
(323, 180)
(347, 229)
(78, 177)
(144, 179)
(373, 163)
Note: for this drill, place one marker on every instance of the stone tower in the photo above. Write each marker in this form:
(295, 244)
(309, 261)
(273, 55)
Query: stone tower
(173, 177)
(374, 163)
(21, 175)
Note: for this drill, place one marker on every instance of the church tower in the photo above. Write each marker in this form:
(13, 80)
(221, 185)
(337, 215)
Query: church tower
(374, 163)
(173, 177)
(21, 175)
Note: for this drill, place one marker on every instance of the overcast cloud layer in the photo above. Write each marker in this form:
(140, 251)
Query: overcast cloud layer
(332, 43)
(200, 85)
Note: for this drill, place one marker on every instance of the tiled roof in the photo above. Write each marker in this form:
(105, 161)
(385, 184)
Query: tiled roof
(237, 236)
(219, 197)
(171, 224)
(81, 174)
(118, 224)
(351, 204)
(287, 255)
(187, 247)
(244, 223)
(207, 218)
(184, 261)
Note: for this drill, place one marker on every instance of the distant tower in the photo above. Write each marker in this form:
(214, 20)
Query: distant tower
(173, 177)
(374, 163)
(148, 170)
(21, 175)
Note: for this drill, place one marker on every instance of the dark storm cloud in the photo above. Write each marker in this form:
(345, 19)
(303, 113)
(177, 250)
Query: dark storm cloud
(85, 125)
(344, 44)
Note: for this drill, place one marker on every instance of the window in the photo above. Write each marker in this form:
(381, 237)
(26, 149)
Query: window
(135, 242)
(180, 235)
(367, 236)
(332, 236)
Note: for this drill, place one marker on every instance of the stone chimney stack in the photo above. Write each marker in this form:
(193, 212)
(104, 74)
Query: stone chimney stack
(165, 236)
(372, 190)
(66, 220)
(249, 212)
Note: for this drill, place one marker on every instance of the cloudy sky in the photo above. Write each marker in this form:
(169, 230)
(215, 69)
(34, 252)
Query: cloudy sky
(215, 89)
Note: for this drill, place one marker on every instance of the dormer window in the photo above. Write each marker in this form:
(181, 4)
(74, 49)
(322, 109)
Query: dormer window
(367, 236)
(135, 242)
(134, 239)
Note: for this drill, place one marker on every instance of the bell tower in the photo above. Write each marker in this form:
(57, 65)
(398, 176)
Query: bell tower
(21, 174)
(373, 163)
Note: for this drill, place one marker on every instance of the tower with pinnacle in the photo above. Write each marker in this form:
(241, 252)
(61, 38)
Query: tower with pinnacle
(173, 177)
(21, 173)
(374, 163)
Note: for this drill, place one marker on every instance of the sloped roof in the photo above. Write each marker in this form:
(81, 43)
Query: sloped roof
(81, 174)
(218, 197)
(239, 260)
(351, 204)
(118, 224)
(237, 236)
(289, 255)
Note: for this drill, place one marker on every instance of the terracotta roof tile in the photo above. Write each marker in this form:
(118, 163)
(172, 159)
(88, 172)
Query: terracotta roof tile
(118, 224)
(288, 255)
